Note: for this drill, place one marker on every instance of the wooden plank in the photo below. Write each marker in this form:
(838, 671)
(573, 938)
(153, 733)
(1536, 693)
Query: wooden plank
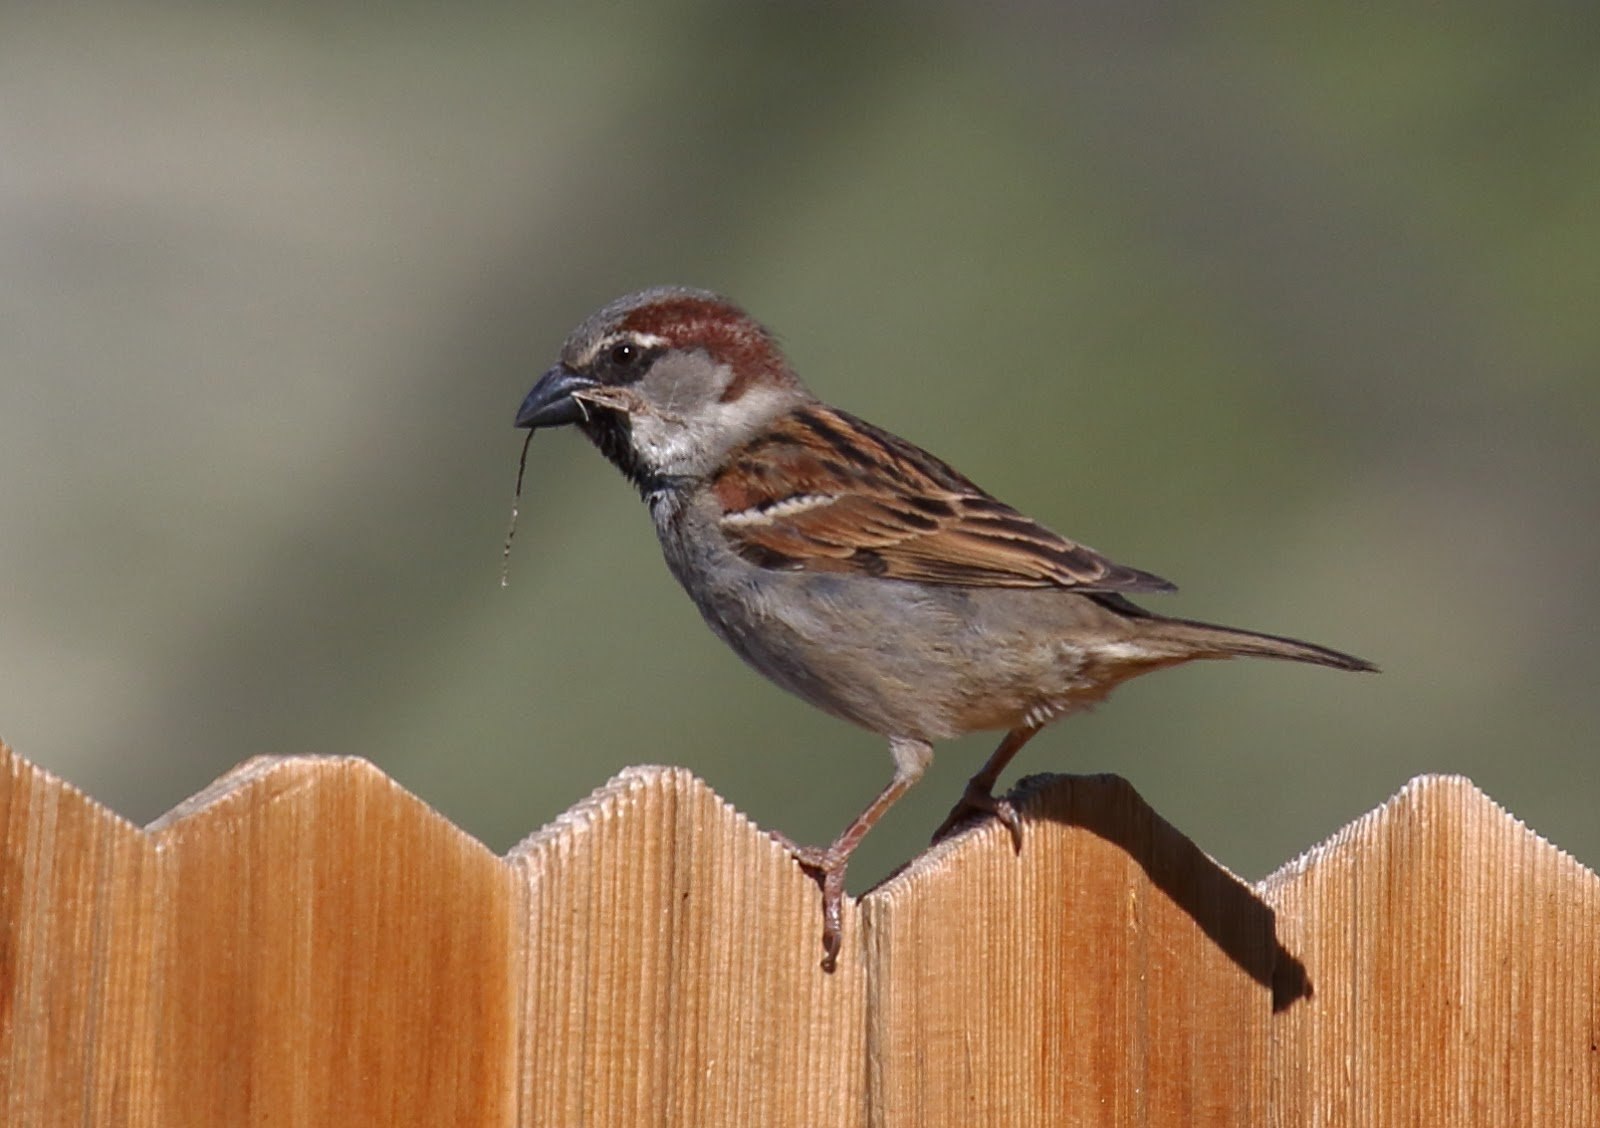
(1109, 974)
(672, 974)
(75, 956)
(331, 951)
(1455, 962)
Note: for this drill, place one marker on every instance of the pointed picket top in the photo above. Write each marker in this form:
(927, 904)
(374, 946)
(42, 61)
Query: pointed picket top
(75, 936)
(619, 793)
(26, 781)
(1449, 949)
(672, 968)
(257, 780)
(264, 782)
(1422, 797)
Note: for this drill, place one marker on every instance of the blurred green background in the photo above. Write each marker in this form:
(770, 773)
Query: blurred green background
(1299, 308)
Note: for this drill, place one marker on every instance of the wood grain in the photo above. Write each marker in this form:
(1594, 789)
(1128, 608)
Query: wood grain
(75, 955)
(654, 991)
(306, 943)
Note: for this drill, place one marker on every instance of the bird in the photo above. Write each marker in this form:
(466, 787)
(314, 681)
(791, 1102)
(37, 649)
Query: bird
(850, 566)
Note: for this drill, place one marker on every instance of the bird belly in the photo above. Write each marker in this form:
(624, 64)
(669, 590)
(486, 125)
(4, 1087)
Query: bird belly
(901, 659)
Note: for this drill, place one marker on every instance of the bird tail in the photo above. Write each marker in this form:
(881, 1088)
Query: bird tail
(1207, 640)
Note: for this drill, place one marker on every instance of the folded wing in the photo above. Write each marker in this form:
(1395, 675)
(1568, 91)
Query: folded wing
(822, 491)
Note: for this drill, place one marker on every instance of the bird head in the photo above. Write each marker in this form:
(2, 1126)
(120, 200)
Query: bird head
(665, 382)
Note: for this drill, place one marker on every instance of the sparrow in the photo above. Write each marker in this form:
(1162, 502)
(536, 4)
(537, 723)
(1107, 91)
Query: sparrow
(852, 567)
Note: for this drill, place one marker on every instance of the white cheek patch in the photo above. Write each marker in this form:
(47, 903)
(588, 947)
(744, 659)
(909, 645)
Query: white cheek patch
(693, 441)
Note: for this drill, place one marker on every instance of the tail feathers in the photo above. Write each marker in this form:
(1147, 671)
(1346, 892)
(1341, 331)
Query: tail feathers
(1207, 640)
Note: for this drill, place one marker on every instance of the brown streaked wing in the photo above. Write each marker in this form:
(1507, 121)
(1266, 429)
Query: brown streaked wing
(823, 491)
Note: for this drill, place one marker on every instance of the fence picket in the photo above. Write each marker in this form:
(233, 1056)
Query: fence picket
(658, 988)
(1455, 960)
(329, 950)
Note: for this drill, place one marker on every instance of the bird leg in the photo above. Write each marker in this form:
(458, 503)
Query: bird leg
(979, 795)
(828, 863)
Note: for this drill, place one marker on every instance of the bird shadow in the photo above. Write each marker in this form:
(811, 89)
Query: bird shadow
(1226, 909)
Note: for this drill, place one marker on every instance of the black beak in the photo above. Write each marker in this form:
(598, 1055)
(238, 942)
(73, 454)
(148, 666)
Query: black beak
(550, 403)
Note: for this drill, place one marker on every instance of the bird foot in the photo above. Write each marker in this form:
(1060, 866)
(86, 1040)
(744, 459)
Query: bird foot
(977, 801)
(827, 865)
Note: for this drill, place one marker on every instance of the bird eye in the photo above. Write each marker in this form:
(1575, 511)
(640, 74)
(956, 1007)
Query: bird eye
(624, 354)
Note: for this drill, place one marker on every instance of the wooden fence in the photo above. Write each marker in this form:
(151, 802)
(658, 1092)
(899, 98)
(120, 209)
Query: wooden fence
(307, 943)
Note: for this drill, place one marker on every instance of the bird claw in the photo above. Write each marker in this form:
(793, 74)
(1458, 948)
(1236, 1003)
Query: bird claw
(827, 866)
(977, 801)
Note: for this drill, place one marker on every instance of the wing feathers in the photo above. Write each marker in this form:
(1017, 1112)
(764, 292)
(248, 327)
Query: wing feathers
(824, 491)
